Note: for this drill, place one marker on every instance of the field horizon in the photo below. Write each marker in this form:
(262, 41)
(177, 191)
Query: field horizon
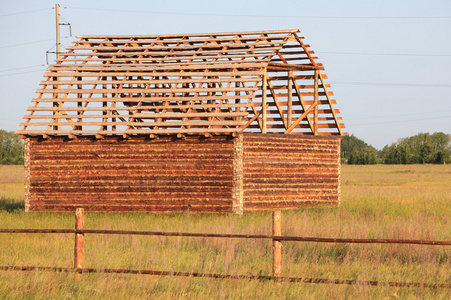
(377, 201)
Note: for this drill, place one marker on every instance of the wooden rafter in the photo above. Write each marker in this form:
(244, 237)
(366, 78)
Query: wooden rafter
(188, 84)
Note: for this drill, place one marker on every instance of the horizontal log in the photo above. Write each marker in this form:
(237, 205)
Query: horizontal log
(303, 94)
(144, 90)
(129, 208)
(173, 36)
(300, 112)
(135, 202)
(293, 151)
(146, 40)
(176, 74)
(295, 77)
(182, 158)
(301, 86)
(281, 199)
(300, 126)
(169, 57)
(142, 115)
(142, 124)
(210, 185)
(224, 191)
(128, 131)
(149, 198)
(293, 67)
(144, 99)
(255, 47)
(155, 67)
(155, 80)
(153, 107)
(189, 115)
(154, 52)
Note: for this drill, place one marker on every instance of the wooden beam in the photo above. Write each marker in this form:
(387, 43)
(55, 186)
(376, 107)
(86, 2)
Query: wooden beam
(290, 98)
(176, 131)
(298, 67)
(290, 129)
(315, 103)
(264, 91)
(249, 122)
(321, 77)
(174, 36)
(279, 109)
(303, 105)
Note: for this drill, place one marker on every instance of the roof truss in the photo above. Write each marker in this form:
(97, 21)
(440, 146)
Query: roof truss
(216, 83)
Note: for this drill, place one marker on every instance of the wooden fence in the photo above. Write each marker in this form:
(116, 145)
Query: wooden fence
(276, 238)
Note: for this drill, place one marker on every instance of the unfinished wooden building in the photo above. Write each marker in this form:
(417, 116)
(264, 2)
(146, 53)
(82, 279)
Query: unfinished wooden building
(214, 122)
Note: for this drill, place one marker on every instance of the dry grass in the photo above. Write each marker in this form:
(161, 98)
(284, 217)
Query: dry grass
(11, 187)
(409, 202)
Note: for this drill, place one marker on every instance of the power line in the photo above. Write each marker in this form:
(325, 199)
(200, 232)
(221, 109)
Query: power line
(20, 73)
(262, 16)
(34, 42)
(24, 12)
(397, 115)
(29, 67)
(423, 85)
(401, 121)
(384, 54)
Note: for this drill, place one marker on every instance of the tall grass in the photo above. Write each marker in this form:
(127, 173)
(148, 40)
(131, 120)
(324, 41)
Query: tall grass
(11, 187)
(408, 202)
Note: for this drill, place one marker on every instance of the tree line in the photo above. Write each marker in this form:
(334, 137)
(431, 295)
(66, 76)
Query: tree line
(423, 148)
(11, 148)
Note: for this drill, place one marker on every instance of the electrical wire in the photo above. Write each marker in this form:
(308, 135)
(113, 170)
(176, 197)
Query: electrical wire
(400, 121)
(3, 75)
(28, 43)
(24, 12)
(259, 16)
(29, 67)
(398, 115)
(384, 54)
(422, 85)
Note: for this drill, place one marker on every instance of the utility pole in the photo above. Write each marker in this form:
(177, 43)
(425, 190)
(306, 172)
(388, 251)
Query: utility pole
(58, 41)
(58, 51)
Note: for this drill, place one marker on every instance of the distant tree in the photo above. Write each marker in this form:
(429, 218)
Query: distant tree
(355, 151)
(11, 148)
(421, 148)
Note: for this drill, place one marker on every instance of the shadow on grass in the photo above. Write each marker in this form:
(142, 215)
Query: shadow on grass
(11, 205)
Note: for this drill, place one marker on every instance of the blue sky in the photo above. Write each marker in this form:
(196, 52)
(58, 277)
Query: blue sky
(389, 62)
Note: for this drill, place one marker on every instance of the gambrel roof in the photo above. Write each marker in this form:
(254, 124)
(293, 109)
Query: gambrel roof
(212, 83)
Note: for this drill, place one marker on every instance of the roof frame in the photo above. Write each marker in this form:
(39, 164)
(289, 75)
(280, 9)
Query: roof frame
(210, 84)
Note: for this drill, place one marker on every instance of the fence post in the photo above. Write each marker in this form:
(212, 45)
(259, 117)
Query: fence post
(277, 244)
(79, 240)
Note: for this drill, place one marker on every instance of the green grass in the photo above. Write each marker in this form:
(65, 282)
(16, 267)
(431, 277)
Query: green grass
(408, 202)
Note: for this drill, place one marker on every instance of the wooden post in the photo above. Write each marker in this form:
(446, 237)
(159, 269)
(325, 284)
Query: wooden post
(315, 102)
(79, 105)
(58, 41)
(79, 239)
(277, 245)
(290, 98)
(58, 51)
(264, 91)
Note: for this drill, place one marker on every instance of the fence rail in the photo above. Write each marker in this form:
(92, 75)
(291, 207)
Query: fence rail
(276, 237)
(238, 236)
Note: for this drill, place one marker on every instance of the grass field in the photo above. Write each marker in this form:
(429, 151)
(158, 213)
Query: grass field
(405, 201)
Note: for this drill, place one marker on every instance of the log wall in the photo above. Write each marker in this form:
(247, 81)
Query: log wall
(219, 174)
(138, 174)
(289, 171)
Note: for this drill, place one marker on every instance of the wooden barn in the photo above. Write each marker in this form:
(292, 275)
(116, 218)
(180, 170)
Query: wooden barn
(214, 122)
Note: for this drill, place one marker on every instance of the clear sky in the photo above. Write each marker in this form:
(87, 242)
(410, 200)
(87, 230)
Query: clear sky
(388, 61)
